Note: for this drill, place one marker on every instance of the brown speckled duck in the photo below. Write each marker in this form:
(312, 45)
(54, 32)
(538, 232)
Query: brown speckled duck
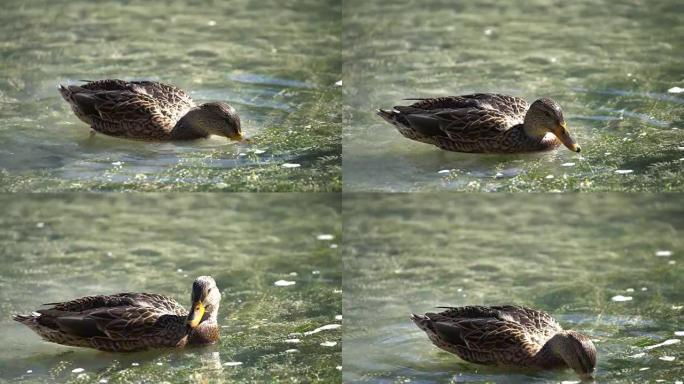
(149, 110)
(483, 123)
(509, 335)
(128, 322)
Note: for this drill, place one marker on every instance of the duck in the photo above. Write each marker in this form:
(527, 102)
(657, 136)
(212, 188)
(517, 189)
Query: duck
(128, 322)
(149, 110)
(509, 336)
(483, 123)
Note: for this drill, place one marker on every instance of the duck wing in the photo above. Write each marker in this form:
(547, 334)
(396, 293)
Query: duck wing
(116, 323)
(482, 340)
(122, 316)
(520, 325)
(120, 300)
(464, 119)
(172, 100)
(124, 113)
(508, 105)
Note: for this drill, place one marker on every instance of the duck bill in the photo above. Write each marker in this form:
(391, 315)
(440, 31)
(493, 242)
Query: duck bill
(196, 315)
(564, 136)
(237, 137)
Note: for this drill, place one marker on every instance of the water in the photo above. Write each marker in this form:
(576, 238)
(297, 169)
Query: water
(59, 247)
(276, 64)
(570, 257)
(609, 65)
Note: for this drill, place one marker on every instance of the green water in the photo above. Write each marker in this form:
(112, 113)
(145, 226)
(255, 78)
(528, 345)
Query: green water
(58, 247)
(609, 64)
(277, 64)
(567, 255)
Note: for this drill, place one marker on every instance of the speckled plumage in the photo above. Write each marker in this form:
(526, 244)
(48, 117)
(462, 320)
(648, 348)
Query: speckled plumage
(146, 110)
(122, 322)
(477, 123)
(507, 335)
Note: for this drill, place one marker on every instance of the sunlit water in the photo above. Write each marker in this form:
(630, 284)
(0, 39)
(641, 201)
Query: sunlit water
(277, 64)
(575, 258)
(61, 247)
(615, 67)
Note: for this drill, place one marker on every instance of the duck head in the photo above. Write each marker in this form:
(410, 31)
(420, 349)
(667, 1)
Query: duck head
(205, 302)
(215, 118)
(577, 351)
(546, 116)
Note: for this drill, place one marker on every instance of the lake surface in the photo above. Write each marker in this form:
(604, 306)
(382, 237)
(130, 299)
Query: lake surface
(572, 256)
(277, 64)
(60, 247)
(613, 66)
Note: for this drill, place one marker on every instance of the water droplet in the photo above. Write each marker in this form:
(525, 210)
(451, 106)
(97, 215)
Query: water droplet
(284, 283)
(323, 328)
(664, 343)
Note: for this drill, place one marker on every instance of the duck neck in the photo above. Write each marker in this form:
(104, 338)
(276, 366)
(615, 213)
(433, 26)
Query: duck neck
(533, 130)
(188, 127)
(548, 357)
(207, 332)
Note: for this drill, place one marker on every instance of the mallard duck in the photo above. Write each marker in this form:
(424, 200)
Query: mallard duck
(149, 110)
(128, 322)
(508, 335)
(483, 123)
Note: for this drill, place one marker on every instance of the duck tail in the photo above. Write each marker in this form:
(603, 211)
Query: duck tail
(390, 115)
(65, 92)
(29, 320)
(423, 322)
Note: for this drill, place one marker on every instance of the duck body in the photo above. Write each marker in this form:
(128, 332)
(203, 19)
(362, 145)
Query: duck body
(482, 123)
(123, 322)
(508, 335)
(148, 110)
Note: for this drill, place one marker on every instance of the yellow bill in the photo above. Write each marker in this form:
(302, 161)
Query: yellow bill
(196, 315)
(563, 135)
